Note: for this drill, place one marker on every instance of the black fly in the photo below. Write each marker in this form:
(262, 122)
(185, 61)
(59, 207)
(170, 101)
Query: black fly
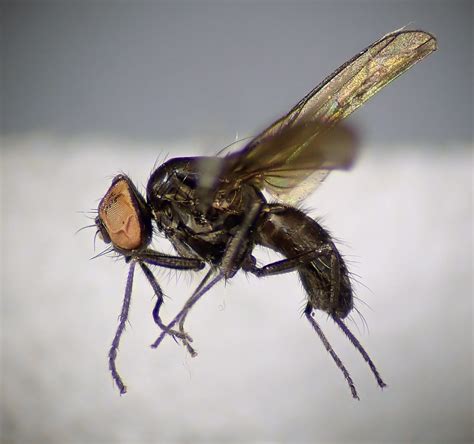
(214, 212)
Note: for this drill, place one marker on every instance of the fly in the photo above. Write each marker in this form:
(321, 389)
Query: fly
(214, 212)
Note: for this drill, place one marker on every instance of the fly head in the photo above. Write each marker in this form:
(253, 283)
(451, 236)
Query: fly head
(124, 218)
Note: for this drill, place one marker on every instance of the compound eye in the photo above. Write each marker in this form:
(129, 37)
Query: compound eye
(120, 216)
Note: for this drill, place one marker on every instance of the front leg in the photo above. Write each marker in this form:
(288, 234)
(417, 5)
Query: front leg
(159, 302)
(173, 262)
(154, 258)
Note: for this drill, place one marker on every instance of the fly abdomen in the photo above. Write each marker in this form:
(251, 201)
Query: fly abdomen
(321, 268)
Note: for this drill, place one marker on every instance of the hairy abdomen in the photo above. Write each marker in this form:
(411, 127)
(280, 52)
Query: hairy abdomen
(290, 232)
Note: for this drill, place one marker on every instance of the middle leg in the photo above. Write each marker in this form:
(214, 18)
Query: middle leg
(230, 263)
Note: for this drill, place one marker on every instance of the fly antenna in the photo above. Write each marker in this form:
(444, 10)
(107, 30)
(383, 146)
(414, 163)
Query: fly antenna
(361, 350)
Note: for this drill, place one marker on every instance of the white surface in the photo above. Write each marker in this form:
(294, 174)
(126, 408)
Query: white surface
(262, 374)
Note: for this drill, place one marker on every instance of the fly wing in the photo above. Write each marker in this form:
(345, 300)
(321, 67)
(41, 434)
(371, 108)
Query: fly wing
(290, 164)
(293, 155)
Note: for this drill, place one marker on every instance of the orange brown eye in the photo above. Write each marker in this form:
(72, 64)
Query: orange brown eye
(120, 216)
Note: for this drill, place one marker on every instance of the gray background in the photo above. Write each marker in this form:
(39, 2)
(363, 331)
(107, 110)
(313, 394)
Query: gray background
(93, 88)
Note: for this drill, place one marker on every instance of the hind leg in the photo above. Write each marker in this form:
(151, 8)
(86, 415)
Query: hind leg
(308, 312)
(284, 265)
(292, 264)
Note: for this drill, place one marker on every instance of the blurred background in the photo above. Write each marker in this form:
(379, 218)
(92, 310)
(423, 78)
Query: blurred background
(90, 89)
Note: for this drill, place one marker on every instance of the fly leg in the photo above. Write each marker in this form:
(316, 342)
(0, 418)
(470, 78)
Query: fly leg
(291, 264)
(121, 327)
(173, 262)
(154, 258)
(308, 312)
(285, 265)
(230, 264)
(159, 302)
(358, 346)
(197, 294)
(185, 310)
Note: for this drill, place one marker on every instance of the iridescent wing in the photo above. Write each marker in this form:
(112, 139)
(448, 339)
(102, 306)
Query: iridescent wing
(290, 164)
(293, 155)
